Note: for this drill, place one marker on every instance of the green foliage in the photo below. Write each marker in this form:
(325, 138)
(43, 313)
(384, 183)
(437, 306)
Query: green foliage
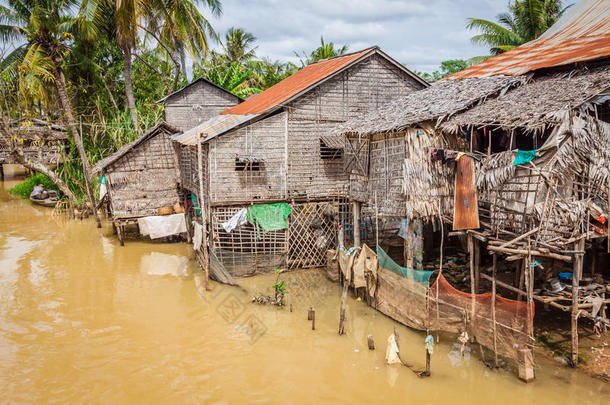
(24, 189)
(279, 286)
(232, 77)
(447, 68)
(324, 51)
(524, 21)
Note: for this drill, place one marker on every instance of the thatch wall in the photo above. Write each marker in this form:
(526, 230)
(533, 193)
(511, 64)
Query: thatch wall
(142, 176)
(407, 183)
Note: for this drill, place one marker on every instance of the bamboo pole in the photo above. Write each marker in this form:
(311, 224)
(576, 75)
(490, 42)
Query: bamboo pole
(204, 243)
(576, 274)
(356, 208)
(376, 221)
(493, 307)
(472, 287)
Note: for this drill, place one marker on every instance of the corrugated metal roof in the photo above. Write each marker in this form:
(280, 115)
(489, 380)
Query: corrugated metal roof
(212, 128)
(582, 34)
(294, 84)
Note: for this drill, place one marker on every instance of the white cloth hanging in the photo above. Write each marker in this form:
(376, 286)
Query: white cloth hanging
(391, 351)
(236, 220)
(197, 235)
(159, 226)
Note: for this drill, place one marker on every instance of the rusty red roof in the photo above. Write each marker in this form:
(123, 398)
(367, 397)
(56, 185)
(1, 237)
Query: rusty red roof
(295, 84)
(582, 34)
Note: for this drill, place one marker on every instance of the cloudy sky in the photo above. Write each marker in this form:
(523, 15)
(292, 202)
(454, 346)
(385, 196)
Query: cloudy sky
(418, 33)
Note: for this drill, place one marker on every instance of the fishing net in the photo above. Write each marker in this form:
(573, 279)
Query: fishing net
(452, 310)
(402, 292)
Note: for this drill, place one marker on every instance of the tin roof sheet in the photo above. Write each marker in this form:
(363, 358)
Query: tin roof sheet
(582, 34)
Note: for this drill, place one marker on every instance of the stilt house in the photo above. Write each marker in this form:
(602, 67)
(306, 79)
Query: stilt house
(273, 148)
(40, 141)
(141, 177)
(512, 155)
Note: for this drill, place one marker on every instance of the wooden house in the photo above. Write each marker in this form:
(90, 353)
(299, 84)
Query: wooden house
(195, 103)
(510, 154)
(39, 140)
(141, 177)
(273, 148)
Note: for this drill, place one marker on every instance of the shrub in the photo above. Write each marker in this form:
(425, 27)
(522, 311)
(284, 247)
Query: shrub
(24, 188)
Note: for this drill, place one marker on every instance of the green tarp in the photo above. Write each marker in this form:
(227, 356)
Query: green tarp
(385, 261)
(270, 217)
(524, 156)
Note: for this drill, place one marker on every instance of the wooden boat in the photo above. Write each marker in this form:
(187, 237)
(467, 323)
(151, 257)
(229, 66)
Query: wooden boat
(50, 201)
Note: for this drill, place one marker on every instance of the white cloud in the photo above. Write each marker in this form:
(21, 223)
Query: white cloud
(420, 33)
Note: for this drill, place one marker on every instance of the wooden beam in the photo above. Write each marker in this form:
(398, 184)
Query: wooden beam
(518, 238)
(533, 252)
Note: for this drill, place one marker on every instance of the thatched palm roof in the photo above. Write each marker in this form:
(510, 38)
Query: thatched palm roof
(536, 104)
(102, 164)
(436, 102)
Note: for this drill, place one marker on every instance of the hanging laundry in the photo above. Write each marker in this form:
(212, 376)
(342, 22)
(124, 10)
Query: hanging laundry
(524, 156)
(197, 235)
(403, 231)
(237, 220)
(270, 217)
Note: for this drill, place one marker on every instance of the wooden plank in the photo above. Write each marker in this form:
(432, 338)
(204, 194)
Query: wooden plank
(465, 208)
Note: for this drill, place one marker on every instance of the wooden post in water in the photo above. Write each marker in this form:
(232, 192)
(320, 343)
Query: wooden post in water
(427, 363)
(356, 208)
(204, 243)
(313, 319)
(310, 314)
(472, 281)
(370, 342)
(493, 307)
(477, 265)
(577, 272)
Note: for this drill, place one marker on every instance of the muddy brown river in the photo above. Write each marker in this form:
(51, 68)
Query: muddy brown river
(83, 320)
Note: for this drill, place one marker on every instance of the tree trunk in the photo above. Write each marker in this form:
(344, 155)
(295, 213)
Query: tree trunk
(183, 62)
(60, 84)
(131, 101)
(20, 158)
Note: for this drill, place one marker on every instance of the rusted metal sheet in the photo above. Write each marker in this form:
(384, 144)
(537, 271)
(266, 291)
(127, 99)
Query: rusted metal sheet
(582, 34)
(465, 208)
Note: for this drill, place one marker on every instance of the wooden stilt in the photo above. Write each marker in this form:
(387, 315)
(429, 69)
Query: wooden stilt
(477, 265)
(472, 280)
(493, 308)
(427, 374)
(313, 319)
(356, 208)
(342, 309)
(204, 244)
(120, 234)
(576, 274)
(1, 171)
(310, 314)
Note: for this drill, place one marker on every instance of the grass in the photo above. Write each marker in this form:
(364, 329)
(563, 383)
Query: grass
(24, 188)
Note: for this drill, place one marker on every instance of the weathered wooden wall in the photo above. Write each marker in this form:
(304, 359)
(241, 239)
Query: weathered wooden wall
(196, 104)
(365, 86)
(265, 140)
(48, 155)
(189, 168)
(144, 179)
(289, 142)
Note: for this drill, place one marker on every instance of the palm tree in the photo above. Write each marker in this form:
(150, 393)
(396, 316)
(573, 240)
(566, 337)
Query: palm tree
(179, 27)
(46, 30)
(525, 20)
(239, 45)
(324, 51)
